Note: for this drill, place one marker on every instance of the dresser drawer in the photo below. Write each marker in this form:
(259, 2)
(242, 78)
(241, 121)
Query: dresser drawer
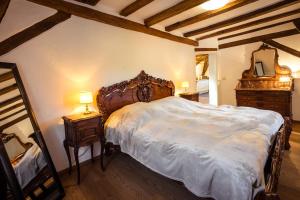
(278, 101)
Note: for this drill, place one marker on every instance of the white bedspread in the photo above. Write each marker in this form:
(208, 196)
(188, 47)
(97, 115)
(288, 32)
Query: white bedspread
(30, 165)
(216, 152)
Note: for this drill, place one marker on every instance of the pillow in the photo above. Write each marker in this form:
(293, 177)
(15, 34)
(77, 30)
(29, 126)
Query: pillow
(14, 147)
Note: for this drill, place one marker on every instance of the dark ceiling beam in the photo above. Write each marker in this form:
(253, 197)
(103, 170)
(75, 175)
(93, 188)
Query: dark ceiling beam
(283, 47)
(172, 11)
(90, 2)
(260, 38)
(242, 18)
(256, 29)
(297, 23)
(32, 31)
(206, 15)
(133, 7)
(3, 7)
(205, 49)
(249, 24)
(91, 14)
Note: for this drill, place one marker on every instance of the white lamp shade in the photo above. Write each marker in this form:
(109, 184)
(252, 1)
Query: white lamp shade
(86, 97)
(185, 84)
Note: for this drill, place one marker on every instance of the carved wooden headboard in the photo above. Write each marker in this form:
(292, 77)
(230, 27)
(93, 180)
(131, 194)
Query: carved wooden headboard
(143, 88)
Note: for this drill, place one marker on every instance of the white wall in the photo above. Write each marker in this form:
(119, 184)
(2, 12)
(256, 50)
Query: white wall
(213, 79)
(79, 54)
(233, 61)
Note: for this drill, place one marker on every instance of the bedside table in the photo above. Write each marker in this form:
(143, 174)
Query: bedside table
(83, 130)
(193, 96)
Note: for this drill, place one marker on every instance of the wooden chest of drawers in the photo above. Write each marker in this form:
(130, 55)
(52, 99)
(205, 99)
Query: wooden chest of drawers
(193, 96)
(276, 100)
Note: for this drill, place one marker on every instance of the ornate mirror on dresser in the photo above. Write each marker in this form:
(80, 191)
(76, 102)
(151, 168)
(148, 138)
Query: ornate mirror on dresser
(26, 169)
(266, 85)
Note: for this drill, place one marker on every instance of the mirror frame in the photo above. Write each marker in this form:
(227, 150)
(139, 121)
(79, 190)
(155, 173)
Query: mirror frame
(4, 159)
(279, 70)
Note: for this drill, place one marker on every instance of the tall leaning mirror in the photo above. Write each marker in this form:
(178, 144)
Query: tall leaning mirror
(26, 168)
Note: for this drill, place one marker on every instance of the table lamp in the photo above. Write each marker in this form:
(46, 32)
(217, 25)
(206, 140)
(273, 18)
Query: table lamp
(185, 85)
(86, 98)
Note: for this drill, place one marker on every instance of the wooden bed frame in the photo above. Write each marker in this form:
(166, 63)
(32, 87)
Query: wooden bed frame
(145, 88)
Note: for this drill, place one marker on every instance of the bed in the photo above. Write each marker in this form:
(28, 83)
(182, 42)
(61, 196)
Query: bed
(203, 86)
(219, 152)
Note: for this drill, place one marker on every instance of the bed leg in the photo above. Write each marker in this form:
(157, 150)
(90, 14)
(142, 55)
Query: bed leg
(108, 150)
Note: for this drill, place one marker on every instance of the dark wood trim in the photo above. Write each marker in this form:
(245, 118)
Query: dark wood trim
(90, 2)
(91, 14)
(6, 76)
(206, 49)
(283, 47)
(8, 89)
(172, 11)
(249, 24)
(10, 101)
(256, 29)
(10, 176)
(8, 116)
(57, 191)
(297, 23)
(260, 38)
(209, 14)
(133, 7)
(11, 108)
(81, 164)
(13, 122)
(31, 32)
(242, 18)
(3, 8)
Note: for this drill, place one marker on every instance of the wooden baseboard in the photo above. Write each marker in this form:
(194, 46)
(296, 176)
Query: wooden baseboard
(86, 162)
(296, 121)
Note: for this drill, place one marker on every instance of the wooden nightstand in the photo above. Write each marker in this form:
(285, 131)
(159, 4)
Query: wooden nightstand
(83, 130)
(193, 96)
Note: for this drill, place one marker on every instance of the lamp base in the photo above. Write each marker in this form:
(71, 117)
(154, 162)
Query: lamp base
(87, 111)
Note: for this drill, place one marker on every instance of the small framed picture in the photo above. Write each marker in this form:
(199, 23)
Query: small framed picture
(259, 68)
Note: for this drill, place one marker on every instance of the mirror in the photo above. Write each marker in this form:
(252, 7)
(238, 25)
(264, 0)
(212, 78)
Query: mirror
(264, 62)
(23, 150)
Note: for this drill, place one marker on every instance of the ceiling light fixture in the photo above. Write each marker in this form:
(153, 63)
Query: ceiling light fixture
(214, 4)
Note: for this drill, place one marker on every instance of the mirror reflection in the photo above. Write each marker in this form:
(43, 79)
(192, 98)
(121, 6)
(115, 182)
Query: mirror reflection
(17, 133)
(264, 62)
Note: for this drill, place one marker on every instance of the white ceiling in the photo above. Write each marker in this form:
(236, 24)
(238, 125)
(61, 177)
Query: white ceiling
(29, 13)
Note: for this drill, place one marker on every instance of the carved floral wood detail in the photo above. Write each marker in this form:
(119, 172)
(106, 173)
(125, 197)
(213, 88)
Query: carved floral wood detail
(251, 80)
(143, 88)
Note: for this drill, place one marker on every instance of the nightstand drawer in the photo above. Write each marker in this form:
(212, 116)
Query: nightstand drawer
(88, 124)
(88, 135)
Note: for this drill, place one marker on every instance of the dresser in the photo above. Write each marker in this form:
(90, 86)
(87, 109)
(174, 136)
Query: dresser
(192, 96)
(267, 91)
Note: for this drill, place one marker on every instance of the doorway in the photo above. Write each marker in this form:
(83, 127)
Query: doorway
(207, 78)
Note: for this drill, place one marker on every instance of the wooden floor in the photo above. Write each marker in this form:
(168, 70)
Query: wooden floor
(126, 179)
(289, 184)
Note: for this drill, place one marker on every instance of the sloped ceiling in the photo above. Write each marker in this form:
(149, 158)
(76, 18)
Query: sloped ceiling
(29, 13)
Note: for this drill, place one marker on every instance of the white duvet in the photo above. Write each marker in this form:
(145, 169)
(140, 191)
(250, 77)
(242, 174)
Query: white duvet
(217, 152)
(30, 165)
